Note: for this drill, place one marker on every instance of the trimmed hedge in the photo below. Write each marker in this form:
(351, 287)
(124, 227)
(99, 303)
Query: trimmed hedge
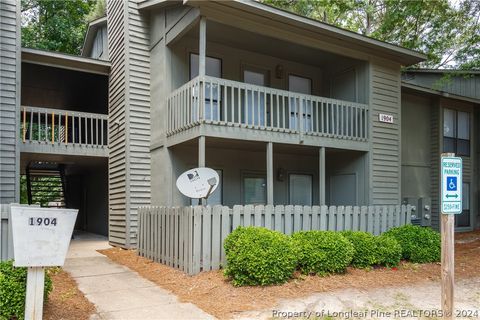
(365, 248)
(322, 252)
(13, 282)
(419, 244)
(388, 251)
(259, 256)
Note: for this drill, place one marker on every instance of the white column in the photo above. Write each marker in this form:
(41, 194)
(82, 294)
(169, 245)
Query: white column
(270, 173)
(321, 176)
(202, 46)
(201, 160)
(201, 151)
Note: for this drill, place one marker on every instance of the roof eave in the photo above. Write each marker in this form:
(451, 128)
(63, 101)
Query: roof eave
(155, 4)
(405, 57)
(65, 61)
(417, 88)
(90, 34)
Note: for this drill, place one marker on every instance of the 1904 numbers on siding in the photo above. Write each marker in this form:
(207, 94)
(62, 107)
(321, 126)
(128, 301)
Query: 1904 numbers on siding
(32, 221)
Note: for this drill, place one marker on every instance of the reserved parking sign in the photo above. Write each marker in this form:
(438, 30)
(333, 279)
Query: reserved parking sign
(451, 185)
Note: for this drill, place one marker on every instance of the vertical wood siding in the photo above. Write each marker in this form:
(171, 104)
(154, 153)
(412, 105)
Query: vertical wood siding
(139, 115)
(435, 166)
(129, 110)
(9, 100)
(385, 137)
(6, 240)
(117, 120)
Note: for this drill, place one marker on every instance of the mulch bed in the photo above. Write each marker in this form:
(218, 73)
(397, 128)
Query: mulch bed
(214, 294)
(66, 302)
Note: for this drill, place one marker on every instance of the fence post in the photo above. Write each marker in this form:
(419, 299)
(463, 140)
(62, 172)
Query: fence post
(288, 219)
(278, 219)
(307, 225)
(297, 217)
(269, 209)
(197, 238)
(227, 214)
(323, 217)
(315, 218)
(348, 218)
(206, 237)
(332, 216)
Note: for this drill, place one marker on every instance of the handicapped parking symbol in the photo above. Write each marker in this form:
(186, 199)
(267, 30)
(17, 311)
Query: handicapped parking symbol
(451, 183)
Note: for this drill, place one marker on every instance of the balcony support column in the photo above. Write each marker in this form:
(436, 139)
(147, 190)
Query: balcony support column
(321, 176)
(270, 173)
(201, 160)
(202, 47)
(201, 151)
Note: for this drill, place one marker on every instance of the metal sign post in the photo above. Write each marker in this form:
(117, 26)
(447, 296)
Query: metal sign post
(451, 204)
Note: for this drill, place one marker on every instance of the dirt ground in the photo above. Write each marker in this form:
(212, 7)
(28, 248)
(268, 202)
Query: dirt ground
(66, 302)
(215, 295)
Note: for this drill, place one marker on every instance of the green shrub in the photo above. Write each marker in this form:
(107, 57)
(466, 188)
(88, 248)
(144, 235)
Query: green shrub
(365, 248)
(388, 251)
(258, 256)
(419, 244)
(322, 252)
(13, 283)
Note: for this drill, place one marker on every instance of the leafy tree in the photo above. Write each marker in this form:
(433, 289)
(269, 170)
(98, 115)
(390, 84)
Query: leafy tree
(55, 25)
(448, 32)
(99, 10)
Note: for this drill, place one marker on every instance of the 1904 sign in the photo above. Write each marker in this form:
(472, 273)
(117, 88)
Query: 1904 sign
(41, 236)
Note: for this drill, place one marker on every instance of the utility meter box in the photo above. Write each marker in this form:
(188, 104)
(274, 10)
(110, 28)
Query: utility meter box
(41, 236)
(425, 211)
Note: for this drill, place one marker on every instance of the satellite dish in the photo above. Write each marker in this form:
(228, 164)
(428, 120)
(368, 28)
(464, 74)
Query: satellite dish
(198, 183)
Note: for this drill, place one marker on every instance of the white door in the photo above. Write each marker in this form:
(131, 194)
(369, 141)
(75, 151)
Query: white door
(254, 113)
(300, 106)
(300, 189)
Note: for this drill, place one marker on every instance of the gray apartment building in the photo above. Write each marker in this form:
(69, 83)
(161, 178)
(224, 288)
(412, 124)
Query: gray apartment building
(287, 110)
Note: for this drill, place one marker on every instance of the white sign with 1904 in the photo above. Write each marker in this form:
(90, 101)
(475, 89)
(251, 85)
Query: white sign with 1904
(41, 235)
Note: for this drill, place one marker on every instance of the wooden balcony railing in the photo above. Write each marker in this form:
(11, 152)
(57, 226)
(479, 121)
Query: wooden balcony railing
(57, 127)
(231, 103)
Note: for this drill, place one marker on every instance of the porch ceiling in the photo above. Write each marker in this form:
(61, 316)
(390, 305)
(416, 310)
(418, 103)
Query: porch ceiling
(73, 163)
(249, 41)
(219, 143)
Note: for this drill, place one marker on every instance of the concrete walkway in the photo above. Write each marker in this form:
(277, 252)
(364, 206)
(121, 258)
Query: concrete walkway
(116, 291)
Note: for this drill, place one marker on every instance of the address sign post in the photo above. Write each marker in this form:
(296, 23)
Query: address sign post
(41, 237)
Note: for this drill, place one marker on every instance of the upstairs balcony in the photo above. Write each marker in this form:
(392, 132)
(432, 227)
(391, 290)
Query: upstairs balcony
(63, 132)
(234, 109)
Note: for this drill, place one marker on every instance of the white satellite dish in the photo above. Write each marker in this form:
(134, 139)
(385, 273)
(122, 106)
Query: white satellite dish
(198, 183)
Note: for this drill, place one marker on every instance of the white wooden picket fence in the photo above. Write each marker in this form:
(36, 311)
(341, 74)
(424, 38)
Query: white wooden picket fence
(191, 238)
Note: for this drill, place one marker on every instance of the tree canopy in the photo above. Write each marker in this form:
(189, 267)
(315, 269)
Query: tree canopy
(55, 25)
(447, 31)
